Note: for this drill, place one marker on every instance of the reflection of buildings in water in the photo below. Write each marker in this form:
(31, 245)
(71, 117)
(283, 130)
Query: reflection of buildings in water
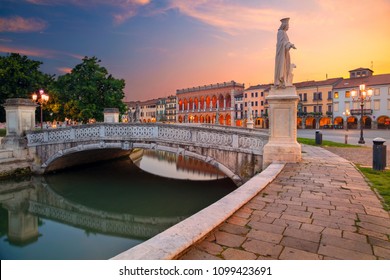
(33, 199)
(197, 166)
(188, 164)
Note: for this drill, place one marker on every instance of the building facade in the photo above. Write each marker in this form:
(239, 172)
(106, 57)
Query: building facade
(254, 97)
(208, 104)
(170, 108)
(376, 111)
(315, 103)
(160, 110)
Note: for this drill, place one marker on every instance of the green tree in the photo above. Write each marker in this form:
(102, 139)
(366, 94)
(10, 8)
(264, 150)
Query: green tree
(19, 78)
(88, 89)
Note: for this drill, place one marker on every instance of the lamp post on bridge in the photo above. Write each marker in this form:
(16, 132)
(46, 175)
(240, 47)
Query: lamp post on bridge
(362, 95)
(41, 99)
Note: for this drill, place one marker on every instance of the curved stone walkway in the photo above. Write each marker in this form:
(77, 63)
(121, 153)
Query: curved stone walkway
(320, 208)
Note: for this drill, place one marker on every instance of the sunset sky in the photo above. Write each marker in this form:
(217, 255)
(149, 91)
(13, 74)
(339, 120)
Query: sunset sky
(159, 46)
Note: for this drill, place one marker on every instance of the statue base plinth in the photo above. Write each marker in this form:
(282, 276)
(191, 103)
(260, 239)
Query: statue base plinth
(249, 124)
(282, 145)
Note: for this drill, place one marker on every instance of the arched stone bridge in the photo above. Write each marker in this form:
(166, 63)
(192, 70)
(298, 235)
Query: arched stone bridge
(237, 152)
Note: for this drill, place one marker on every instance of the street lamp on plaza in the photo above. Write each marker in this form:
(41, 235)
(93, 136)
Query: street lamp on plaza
(347, 113)
(362, 95)
(41, 98)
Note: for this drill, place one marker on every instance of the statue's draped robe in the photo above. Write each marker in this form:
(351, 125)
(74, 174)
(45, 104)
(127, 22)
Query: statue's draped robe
(282, 59)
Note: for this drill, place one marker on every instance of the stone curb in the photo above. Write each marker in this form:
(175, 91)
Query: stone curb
(172, 242)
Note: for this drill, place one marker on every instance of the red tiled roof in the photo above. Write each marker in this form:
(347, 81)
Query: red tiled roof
(328, 82)
(368, 81)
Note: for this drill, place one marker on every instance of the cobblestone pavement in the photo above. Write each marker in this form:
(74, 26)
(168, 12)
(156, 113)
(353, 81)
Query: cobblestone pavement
(320, 208)
(361, 156)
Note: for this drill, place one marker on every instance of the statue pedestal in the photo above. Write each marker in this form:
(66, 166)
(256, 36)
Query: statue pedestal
(249, 124)
(20, 117)
(282, 145)
(111, 115)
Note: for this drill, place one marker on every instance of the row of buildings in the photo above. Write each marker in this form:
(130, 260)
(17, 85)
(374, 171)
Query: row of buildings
(322, 104)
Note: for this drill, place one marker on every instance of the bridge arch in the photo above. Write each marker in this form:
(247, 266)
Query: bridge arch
(237, 152)
(104, 150)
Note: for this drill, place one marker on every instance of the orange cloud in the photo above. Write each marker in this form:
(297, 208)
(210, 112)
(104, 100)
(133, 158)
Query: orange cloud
(231, 18)
(19, 24)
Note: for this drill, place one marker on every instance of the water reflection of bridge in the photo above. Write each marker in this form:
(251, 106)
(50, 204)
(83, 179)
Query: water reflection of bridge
(184, 163)
(26, 201)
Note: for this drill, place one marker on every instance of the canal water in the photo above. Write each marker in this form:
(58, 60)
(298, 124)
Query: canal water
(100, 210)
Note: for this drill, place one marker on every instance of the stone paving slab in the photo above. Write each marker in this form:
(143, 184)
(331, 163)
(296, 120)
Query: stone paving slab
(320, 208)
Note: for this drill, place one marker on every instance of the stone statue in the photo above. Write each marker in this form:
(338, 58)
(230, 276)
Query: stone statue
(250, 115)
(283, 67)
(137, 113)
(130, 116)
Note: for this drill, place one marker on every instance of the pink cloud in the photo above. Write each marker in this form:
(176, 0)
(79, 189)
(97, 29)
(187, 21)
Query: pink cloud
(64, 70)
(28, 52)
(19, 24)
(127, 8)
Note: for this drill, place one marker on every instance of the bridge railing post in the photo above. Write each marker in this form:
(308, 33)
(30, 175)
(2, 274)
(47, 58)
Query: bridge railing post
(72, 134)
(235, 141)
(102, 130)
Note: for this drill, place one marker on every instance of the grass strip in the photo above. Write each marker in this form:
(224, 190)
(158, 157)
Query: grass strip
(325, 143)
(380, 180)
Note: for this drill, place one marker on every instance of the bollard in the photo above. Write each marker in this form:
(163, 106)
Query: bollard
(379, 154)
(318, 137)
(346, 139)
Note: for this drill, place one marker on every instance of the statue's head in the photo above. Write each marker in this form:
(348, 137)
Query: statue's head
(285, 23)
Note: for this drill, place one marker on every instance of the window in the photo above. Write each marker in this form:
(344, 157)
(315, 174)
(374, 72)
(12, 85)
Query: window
(329, 108)
(262, 93)
(252, 103)
(262, 103)
(377, 91)
(251, 94)
(246, 104)
(255, 103)
(336, 95)
(319, 95)
(377, 105)
(245, 95)
(305, 109)
(255, 94)
(329, 95)
(300, 95)
(320, 109)
(314, 109)
(367, 105)
(336, 107)
(347, 94)
(305, 97)
(314, 95)
(348, 106)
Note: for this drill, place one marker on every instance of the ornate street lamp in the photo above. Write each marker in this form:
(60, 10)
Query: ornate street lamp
(41, 98)
(362, 95)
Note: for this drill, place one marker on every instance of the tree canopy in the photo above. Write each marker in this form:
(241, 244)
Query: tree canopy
(87, 90)
(19, 78)
(79, 95)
